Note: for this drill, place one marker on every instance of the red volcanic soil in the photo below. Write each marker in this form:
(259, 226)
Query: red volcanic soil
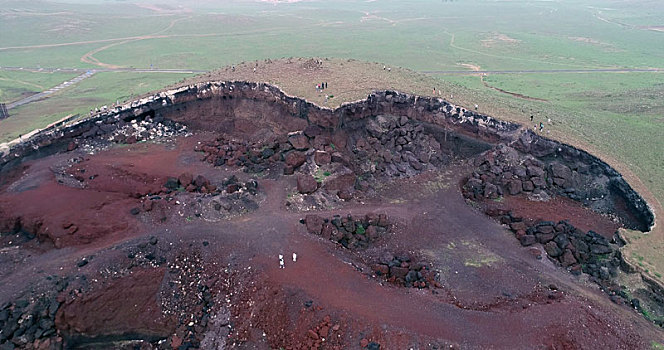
(156, 270)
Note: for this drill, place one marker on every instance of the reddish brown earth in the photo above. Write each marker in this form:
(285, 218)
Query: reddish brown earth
(166, 273)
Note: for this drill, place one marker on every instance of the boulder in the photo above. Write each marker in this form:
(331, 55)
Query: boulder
(544, 237)
(294, 159)
(372, 232)
(490, 191)
(552, 249)
(538, 182)
(172, 183)
(535, 171)
(386, 258)
(381, 270)
(312, 130)
(561, 171)
(329, 231)
(343, 180)
(514, 187)
(374, 129)
(599, 249)
(185, 179)
(201, 181)
(560, 182)
(545, 229)
(562, 241)
(322, 158)
(314, 223)
(517, 226)
(306, 184)
(398, 272)
(568, 258)
(373, 346)
(528, 186)
(299, 141)
(527, 240)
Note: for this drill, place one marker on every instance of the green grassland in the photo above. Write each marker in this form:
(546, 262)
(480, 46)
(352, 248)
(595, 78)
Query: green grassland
(14, 85)
(101, 89)
(618, 116)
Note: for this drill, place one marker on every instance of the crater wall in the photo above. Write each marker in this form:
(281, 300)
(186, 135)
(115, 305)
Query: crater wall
(256, 109)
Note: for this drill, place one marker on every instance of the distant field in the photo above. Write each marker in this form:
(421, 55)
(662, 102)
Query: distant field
(16, 85)
(619, 116)
(96, 91)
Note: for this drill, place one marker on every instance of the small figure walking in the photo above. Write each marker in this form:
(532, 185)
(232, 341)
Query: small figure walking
(326, 85)
(531, 117)
(281, 261)
(476, 106)
(541, 126)
(294, 257)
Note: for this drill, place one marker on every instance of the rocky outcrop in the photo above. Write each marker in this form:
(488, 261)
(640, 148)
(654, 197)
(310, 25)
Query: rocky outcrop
(538, 168)
(350, 232)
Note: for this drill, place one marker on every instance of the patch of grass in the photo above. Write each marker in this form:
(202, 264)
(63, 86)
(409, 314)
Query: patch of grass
(481, 261)
(320, 175)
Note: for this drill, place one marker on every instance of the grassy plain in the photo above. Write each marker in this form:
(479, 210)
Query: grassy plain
(618, 116)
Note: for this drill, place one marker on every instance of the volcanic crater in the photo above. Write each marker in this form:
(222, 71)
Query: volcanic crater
(231, 215)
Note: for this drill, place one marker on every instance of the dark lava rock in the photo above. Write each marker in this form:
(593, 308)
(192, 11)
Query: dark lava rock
(527, 240)
(398, 272)
(322, 158)
(135, 211)
(386, 258)
(314, 223)
(514, 187)
(306, 184)
(312, 130)
(185, 179)
(267, 153)
(299, 141)
(552, 249)
(568, 258)
(599, 249)
(172, 184)
(294, 159)
(201, 181)
(373, 346)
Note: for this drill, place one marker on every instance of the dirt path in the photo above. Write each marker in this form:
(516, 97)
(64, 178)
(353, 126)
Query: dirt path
(482, 75)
